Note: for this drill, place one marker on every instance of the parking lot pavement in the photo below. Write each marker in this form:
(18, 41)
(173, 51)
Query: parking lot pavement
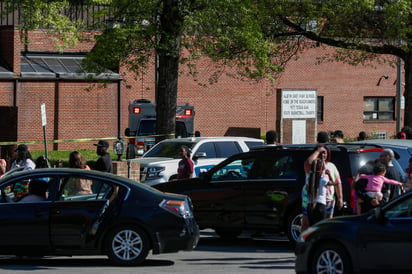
(210, 233)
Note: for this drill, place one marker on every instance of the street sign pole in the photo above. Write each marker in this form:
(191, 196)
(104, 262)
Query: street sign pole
(44, 123)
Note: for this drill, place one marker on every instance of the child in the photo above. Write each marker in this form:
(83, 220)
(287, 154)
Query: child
(317, 181)
(375, 182)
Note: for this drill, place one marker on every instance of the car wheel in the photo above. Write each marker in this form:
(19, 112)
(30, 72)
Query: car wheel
(294, 225)
(127, 246)
(331, 258)
(226, 233)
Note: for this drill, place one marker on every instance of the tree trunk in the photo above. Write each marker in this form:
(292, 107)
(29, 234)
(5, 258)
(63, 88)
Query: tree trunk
(408, 90)
(168, 50)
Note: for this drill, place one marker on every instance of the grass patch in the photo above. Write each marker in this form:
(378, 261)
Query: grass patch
(54, 156)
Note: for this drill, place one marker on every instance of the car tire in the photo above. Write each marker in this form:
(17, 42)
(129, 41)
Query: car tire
(127, 246)
(331, 257)
(227, 233)
(294, 225)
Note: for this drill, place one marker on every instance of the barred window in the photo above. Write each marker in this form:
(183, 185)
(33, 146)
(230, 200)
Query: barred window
(379, 108)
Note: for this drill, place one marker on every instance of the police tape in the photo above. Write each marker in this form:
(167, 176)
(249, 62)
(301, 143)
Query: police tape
(81, 140)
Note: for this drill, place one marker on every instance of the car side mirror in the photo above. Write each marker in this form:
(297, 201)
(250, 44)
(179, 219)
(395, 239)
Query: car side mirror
(199, 155)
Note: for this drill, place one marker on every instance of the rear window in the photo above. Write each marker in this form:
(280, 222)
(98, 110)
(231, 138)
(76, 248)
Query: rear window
(209, 149)
(227, 149)
(359, 159)
(251, 144)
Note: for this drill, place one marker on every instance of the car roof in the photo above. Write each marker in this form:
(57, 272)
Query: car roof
(64, 172)
(221, 138)
(392, 142)
(350, 147)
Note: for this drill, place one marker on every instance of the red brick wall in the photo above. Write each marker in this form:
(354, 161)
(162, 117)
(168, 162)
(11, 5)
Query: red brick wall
(228, 103)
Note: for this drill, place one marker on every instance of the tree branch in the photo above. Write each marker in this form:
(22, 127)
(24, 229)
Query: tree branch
(383, 49)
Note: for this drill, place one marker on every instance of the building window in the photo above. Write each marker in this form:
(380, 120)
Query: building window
(319, 113)
(379, 108)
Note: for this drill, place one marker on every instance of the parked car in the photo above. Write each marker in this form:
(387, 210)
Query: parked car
(402, 149)
(160, 163)
(376, 242)
(118, 217)
(261, 189)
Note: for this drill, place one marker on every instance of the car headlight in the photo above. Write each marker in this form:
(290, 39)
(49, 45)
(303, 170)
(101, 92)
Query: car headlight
(154, 172)
(304, 234)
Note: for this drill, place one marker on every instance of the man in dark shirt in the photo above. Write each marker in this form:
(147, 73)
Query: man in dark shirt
(104, 163)
(386, 157)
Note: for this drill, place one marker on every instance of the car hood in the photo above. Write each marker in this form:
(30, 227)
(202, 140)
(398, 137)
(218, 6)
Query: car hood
(344, 224)
(155, 160)
(184, 186)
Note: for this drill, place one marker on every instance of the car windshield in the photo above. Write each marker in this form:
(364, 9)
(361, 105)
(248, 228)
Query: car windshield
(167, 149)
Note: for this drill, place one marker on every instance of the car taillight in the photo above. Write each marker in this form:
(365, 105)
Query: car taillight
(136, 110)
(176, 207)
(352, 192)
(140, 144)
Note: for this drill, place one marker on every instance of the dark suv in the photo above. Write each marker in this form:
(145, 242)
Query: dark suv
(261, 189)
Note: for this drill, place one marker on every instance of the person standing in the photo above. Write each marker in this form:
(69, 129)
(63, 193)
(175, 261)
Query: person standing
(329, 172)
(386, 157)
(271, 137)
(42, 162)
(338, 137)
(336, 185)
(323, 137)
(23, 159)
(104, 163)
(78, 185)
(362, 136)
(185, 167)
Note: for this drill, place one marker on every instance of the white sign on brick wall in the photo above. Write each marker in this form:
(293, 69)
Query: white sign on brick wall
(298, 104)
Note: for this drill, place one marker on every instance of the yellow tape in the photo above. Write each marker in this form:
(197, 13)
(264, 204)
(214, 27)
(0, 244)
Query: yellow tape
(79, 140)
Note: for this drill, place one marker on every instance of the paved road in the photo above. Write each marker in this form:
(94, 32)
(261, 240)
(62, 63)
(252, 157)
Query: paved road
(267, 254)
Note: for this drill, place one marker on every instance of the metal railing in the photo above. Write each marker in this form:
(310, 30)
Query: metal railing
(11, 14)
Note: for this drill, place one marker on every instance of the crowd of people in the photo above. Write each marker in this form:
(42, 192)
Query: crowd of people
(23, 161)
(376, 183)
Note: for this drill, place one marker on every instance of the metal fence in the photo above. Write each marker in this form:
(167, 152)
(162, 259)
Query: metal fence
(11, 14)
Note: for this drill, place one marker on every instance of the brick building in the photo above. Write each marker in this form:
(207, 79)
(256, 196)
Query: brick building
(345, 97)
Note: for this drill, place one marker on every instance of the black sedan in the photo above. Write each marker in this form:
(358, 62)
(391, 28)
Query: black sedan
(377, 241)
(78, 212)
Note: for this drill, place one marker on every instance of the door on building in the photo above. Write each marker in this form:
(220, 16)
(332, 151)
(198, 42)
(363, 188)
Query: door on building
(8, 132)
